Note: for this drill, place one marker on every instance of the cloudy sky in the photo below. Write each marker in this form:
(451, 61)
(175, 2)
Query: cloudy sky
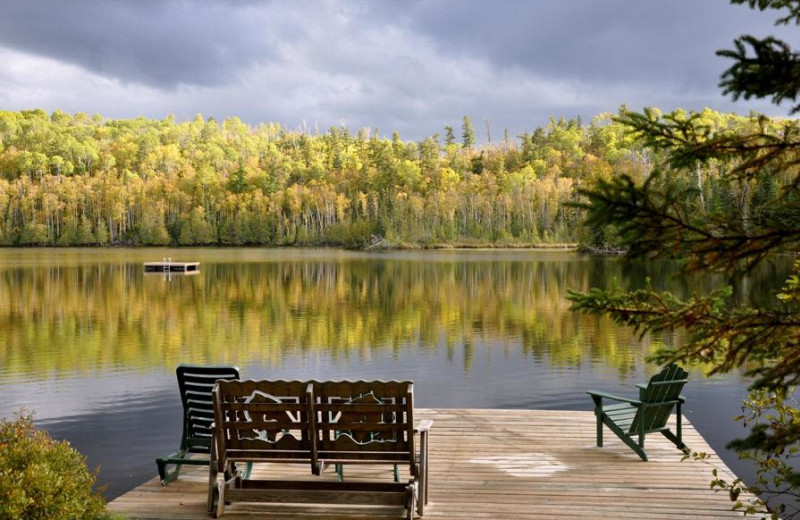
(412, 66)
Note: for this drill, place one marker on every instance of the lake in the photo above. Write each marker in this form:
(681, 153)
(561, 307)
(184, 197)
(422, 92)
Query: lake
(90, 342)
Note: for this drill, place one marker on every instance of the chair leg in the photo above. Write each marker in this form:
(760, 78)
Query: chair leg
(677, 437)
(627, 439)
(674, 438)
(635, 447)
(162, 463)
(599, 431)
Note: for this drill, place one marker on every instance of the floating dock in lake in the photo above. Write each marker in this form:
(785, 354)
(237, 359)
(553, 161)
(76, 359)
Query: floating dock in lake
(494, 464)
(168, 266)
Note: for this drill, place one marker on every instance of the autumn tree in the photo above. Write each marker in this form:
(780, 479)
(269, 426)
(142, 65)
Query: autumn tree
(75, 179)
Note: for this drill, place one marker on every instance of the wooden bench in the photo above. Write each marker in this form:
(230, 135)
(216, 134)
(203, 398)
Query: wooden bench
(319, 423)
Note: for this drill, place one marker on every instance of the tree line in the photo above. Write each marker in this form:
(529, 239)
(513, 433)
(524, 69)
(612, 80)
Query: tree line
(75, 179)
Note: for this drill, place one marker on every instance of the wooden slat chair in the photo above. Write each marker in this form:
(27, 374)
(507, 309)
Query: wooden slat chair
(194, 384)
(632, 419)
(259, 421)
(318, 423)
(372, 422)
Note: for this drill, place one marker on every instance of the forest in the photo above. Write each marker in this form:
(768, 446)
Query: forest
(75, 179)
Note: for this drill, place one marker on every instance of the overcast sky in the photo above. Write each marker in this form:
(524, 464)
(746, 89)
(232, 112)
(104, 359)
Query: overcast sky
(412, 66)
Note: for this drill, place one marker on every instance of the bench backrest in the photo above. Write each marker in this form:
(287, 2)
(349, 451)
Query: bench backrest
(266, 421)
(659, 398)
(315, 421)
(365, 421)
(195, 384)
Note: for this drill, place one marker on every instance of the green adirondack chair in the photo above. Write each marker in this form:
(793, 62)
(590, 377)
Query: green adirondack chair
(195, 384)
(632, 419)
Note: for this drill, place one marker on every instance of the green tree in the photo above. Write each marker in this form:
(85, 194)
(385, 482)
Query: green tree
(663, 216)
(449, 135)
(468, 132)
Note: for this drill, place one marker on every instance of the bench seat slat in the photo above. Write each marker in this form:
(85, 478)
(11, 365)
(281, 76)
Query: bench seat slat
(312, 496)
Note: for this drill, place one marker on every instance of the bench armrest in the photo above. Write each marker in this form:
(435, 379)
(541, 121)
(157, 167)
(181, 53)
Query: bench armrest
(423, 426)
(598, 396)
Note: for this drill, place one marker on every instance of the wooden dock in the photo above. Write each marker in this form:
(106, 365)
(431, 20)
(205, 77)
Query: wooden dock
(495, 464)
(169, 266)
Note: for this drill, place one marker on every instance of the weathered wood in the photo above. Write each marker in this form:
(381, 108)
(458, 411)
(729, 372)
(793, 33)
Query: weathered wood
(314, 495)
(551, 470)
(321, 423)
(172, 267)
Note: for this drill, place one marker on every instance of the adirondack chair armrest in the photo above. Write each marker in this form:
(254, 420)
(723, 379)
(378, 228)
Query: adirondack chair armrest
(599, 396)
(423, 426)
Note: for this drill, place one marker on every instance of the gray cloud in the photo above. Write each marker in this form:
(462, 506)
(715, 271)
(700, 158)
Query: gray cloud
(643, 41)
(409, 66)
(157, 43)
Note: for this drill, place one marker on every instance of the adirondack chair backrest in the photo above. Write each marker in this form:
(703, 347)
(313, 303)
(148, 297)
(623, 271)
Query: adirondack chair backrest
(264, 421)
(365, 420)
(195, 384)
(659, 398)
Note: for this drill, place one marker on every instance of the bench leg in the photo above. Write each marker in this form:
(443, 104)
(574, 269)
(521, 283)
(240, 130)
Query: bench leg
(219, 506)
(213, 476)
(411, 501)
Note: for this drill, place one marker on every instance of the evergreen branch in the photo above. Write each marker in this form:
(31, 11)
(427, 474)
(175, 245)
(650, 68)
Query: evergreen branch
(762, 5)
(771, 71)
(655, 223)
(727, 337)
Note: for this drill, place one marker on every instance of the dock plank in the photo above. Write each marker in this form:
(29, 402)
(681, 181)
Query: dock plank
(514, 464)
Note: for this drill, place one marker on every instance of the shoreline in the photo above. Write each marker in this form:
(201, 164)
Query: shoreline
(379, 246)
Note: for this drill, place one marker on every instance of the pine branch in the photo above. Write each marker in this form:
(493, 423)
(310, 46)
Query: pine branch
(763, 68)
(723, 336)
(762, 5)
(661, 223)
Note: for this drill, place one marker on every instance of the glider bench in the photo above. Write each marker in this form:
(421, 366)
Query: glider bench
(318, 423)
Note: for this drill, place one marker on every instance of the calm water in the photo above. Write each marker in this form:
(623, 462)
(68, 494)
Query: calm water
(90, 342)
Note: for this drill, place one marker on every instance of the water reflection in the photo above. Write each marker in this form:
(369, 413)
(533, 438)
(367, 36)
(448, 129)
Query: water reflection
(82, 317)
(91, 342)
